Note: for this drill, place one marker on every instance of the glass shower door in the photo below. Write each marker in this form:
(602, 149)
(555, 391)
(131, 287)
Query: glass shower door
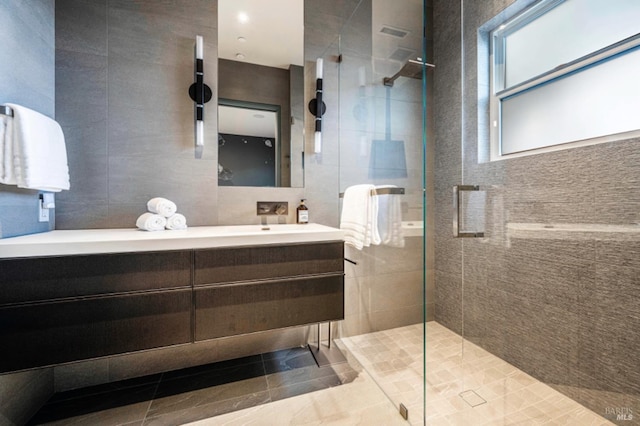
(381, 132)
(532, 287)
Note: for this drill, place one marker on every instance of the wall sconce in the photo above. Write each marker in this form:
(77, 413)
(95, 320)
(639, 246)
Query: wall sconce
(318, 108)
(199, 92)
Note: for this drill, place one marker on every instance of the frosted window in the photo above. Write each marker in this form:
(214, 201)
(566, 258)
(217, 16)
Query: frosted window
(569, 31)
(600, 100)
(565, 71)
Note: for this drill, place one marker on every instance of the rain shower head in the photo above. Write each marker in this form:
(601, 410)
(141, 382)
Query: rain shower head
(412, 69)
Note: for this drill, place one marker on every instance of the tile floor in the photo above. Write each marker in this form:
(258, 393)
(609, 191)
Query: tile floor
(388, 371)
(191, 394)
(392, 361)
(496, 393)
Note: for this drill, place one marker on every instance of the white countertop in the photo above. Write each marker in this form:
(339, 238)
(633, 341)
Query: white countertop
(97, 241)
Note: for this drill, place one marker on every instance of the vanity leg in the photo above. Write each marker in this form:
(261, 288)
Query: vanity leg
(325, 354)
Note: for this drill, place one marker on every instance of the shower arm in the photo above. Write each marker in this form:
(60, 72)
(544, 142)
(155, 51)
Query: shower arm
(388, 81)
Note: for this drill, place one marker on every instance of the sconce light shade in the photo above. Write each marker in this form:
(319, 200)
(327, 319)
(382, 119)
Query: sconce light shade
(199, 92)
(317, 107)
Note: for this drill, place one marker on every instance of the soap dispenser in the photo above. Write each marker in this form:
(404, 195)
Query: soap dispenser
(302, 211)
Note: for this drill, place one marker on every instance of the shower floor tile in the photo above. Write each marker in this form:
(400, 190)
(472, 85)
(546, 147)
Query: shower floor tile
(512, 396)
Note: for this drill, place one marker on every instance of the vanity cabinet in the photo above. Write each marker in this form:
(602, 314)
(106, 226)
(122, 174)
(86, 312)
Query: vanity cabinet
(248, 289)
(60, 309)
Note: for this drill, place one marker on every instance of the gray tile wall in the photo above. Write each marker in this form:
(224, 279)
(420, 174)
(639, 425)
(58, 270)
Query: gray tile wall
(558, 305)
(123, 70)
(27, 76)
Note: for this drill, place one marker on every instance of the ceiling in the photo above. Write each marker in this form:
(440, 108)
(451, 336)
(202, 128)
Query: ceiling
(273, 32)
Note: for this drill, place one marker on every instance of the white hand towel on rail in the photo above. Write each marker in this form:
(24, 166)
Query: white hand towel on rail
(151, 222)
(176, 222)
(390, 218)
(162, 206)
(39, 151)
(7, 176)
(359, 218)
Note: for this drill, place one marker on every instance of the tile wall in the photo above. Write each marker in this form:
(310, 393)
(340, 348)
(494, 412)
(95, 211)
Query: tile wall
(123, 70)
(561, 306)
(27, 77)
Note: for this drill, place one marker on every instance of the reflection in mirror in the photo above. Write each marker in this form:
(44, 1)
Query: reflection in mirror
(260, 72)
(248, 144)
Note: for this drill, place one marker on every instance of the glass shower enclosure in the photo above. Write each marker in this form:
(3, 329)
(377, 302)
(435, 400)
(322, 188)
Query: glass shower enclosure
(513, 294)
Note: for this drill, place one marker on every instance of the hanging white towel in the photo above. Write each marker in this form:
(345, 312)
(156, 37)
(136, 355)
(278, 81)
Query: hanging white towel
(390, 218)
(39, 151)
(162, 206)
(7, 175)
(176, 222)
(151, 222)
(359, 218)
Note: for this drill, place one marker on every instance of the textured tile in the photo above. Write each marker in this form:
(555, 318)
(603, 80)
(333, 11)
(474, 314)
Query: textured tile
(396, 291)
(28, 78)
(81, 26)
(448, 300)
(28, 55)
(124, 170)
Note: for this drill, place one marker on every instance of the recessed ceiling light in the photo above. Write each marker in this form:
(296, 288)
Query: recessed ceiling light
(242, 39)
(239, 56)
(258, 115)
(243, 17)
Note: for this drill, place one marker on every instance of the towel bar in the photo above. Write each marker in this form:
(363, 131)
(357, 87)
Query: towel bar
(5, 110)
(383, 191)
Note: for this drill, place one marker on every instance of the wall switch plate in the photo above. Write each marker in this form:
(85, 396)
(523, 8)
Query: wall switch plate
(43, 214)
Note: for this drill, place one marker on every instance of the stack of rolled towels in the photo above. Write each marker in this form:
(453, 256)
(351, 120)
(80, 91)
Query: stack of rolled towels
(161, 215)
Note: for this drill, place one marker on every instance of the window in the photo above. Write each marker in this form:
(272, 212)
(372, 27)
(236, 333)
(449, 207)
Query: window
(564, 71)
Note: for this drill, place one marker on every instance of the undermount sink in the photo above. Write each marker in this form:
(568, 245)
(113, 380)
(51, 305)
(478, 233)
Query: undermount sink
(96, 241)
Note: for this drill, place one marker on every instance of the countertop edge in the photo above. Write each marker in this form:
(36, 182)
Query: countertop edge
(42, 245)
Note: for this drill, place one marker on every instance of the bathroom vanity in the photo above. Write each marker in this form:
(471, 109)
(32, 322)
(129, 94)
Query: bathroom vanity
(75, 295)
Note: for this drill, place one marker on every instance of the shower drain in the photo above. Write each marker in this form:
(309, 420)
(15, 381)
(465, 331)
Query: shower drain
(472, 398)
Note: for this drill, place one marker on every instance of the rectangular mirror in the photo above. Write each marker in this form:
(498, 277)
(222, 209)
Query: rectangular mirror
(261, 93)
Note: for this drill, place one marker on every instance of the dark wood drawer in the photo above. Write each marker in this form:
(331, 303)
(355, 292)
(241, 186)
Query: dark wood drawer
(267, 262)
(51, 333)
(227, 310)
(50, 278)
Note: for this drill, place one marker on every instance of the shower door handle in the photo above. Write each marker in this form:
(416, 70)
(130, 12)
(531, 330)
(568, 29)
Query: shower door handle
(457, 211)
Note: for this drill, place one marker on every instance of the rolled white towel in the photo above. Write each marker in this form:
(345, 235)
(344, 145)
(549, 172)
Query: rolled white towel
(176, 222)
(151, 222)
(162, 206)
